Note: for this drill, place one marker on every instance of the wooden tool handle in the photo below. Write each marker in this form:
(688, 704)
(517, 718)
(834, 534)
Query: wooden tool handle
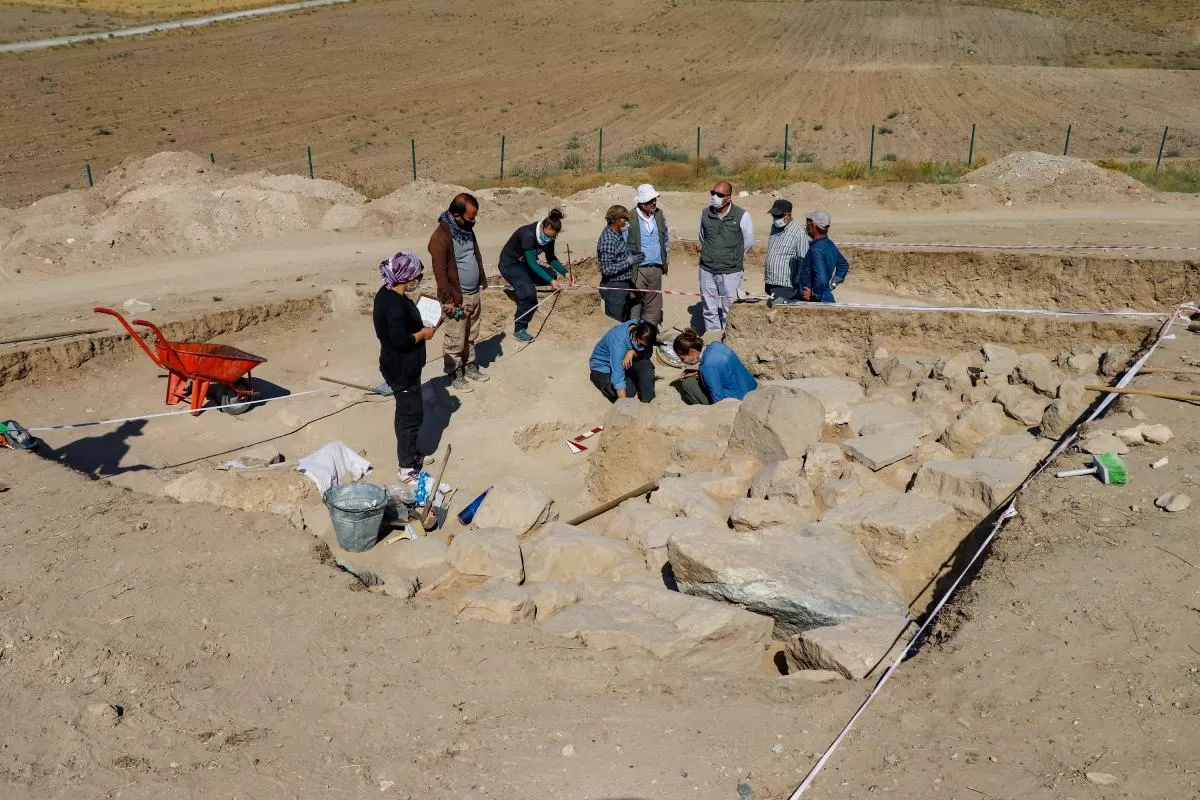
(1190, 398)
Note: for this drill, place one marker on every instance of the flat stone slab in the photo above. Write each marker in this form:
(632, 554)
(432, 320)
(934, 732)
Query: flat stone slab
(889, 524)
(851, 649)
(972, 485)
(752, 514)
(498, 601)
(1022, 447)
(871, 418)
(488, 552)
(563, 553)
(803, 577)
(639, 616)
(686, 497)
(881, 449)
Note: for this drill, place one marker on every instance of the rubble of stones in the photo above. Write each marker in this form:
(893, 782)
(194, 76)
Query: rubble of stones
(809, 514)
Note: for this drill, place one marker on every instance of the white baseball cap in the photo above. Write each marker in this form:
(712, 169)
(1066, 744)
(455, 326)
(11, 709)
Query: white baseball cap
(646, 193)
(819, 218)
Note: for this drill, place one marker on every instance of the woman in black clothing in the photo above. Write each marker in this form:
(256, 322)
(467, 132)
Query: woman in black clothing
(519, 266)
(402, 336)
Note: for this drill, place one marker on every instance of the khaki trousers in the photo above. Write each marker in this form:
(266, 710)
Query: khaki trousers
(459, 335)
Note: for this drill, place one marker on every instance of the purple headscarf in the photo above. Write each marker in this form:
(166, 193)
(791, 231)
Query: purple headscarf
(404, 267)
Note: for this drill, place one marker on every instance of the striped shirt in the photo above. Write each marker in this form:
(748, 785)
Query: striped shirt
(786, 248)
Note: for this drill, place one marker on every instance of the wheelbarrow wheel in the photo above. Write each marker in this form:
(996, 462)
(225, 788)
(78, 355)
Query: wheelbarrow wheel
(229, 399)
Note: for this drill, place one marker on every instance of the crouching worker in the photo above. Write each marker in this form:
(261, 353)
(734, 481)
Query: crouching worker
(713, 372)
(621, 364)
(402, 337)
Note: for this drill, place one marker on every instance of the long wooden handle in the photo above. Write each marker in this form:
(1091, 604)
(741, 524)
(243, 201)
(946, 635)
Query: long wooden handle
(1168, 371)
(1190, 398)
(600, 509)
(54, 335)
(364, 387)
(434, 490)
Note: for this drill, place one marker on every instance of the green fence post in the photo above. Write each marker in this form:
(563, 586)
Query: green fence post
(413, 145)
(600, 158)
(1161, 147)
(871, 159)
(502, 156)
(971, 149)
(212, 157)
(88, 167)
(697, 143)
(1067, 143)
(310, 169)
(785, 145)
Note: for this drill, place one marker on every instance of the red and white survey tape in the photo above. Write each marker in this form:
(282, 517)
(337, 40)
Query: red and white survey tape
(573, 444)
(1006, 513)
(970, 246)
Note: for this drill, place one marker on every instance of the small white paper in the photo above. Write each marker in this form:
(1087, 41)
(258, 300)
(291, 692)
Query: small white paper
(431, 311)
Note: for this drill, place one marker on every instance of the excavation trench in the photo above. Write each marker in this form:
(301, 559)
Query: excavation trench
(965, 386)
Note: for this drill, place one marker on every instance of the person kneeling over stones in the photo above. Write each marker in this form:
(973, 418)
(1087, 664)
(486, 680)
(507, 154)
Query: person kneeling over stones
(402, 336)
(621, 365)
(712, 372)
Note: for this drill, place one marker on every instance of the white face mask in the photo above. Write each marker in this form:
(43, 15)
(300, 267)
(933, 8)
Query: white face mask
(780, 223)
(716, 201)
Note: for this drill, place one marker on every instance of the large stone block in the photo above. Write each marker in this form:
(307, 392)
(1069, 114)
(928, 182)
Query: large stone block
(416, 555)
(1022, 404)
(881, 449)
(753, 514)
(783, 480)
(515, 504)
(488, 552)
(498, 601)
(872, 418)
(685, 497)
(803, 577)
(1022, 447)
(836, 395)
(890, 524)
(564, 553)
(833, 493)
(1060, 415)
(851, 649)
(1036, 370)
(274, 490)
(823, 462)
(551, 598)
(975, 424)
(776, 422)
(652, 542)
(626, 521)
(692, 632)
(973, 486)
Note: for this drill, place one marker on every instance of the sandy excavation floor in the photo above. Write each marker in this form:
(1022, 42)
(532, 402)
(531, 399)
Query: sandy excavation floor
(243, 666)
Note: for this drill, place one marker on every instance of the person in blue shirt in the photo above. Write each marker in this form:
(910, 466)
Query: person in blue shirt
(620, 363)
(824, 267)
(712, 373)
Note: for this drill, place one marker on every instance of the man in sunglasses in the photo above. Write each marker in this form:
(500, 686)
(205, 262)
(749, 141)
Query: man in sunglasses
(726, 235)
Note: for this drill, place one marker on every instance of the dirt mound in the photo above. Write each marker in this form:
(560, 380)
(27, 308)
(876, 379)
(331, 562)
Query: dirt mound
(173, 204)
(515, 205)
(594, 202)
(1047, 178)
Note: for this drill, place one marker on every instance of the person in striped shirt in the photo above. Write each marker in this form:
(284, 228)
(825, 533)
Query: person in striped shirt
(786, 248)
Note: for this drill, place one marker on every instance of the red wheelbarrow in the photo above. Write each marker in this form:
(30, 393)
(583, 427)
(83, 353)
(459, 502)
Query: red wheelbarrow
(198, 365)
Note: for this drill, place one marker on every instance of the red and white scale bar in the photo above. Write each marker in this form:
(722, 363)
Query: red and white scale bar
(573, 444)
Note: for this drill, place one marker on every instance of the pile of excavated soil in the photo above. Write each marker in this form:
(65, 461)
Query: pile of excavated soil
(173, 204)
(1045, 178)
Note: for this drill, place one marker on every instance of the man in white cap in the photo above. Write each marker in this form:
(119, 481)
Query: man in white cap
(649, 236)
(824, 267)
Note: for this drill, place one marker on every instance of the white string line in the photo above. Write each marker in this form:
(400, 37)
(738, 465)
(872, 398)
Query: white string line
(1009, 511)
(173, 413)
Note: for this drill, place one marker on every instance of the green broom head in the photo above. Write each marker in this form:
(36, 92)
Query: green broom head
(1111, 469)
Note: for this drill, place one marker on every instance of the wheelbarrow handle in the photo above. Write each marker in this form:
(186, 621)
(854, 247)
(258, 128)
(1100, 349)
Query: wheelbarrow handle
(136, 337)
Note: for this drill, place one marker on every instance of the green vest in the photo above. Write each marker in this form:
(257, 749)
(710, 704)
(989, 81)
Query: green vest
(635, 235)
(722, 243)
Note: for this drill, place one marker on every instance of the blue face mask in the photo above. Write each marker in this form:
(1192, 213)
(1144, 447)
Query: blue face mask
(542, 238)
(625, 233)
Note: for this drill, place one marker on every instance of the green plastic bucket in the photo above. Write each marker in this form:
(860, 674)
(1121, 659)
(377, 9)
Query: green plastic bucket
(356, 510)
